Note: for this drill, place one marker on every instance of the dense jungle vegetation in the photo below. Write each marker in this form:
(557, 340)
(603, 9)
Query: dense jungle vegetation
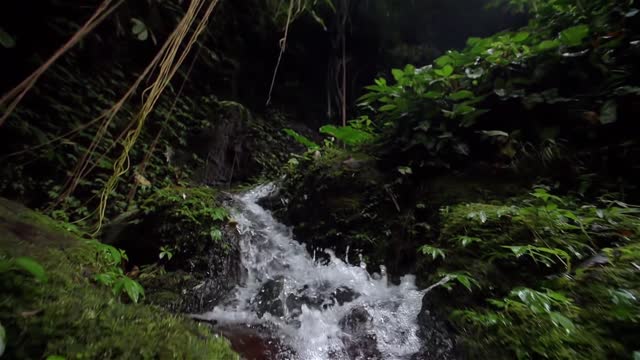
(488, 147)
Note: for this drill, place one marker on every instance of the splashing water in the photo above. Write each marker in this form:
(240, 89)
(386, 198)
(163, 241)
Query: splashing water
(316, 311)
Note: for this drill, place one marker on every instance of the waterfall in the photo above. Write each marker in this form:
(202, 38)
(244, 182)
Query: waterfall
(314, 310)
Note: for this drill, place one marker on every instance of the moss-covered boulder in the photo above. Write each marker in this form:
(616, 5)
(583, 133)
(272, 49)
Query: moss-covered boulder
(71, 315)
(188, 231)
(341, 199)
(338, 201)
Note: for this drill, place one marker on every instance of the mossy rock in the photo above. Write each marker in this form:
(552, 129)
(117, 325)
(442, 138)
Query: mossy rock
(193, 225)
(343, 192)
(72, 316)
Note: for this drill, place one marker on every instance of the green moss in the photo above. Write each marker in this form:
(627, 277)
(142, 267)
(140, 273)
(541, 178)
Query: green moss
(70, 315)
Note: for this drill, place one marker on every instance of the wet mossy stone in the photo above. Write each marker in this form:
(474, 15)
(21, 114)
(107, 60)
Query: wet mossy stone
(72, 316)
(343, 193)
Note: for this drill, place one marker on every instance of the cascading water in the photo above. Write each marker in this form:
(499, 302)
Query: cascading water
(332, 310)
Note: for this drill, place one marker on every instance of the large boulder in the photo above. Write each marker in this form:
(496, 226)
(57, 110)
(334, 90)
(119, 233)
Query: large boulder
(435, 330)
(238, 145)
(360, 342)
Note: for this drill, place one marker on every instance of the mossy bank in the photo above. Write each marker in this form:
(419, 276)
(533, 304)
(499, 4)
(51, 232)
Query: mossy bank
(70, 315)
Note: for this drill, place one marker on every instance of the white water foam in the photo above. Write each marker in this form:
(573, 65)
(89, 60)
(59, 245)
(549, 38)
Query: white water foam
(314, 332)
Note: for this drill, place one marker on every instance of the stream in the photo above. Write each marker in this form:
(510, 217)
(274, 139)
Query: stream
(292, 306)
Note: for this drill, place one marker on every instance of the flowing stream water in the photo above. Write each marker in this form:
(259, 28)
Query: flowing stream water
(305, 309)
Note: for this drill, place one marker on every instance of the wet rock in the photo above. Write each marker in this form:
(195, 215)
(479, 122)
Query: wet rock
(268, 298)
(295, 303)
(273, 200)
(439, 341)
(344, 295)
(254, 342)
(360, 343)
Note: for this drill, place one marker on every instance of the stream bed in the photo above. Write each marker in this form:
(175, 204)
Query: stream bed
(292, 306)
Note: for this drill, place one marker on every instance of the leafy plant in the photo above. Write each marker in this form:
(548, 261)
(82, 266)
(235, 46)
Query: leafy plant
(114, 277)
(526, 322)
(165, 252)
(109, 254)
(120, 283)
(216, 235)
(547, 256)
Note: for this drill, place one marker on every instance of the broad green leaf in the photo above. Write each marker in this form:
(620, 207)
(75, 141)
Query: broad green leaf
(139, 29)
(31, 266)
(387, 107)
(106, 279)
(463, 109)
(461, 95)
(55, 357)
(133, 289)
(548, 45)
(397, 74)
(446, 71)
(301, 139)
(520, 37)
(347, 134)
(6, 40)
(562, 321)
(574, 36)
(464, 281)
(443, 60)
(434, 95)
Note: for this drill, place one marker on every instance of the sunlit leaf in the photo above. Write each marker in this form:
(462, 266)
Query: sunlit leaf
(139, 29)
(446, 71)
(520, 37)
(574, 36)
(31, 266)
(548, 45)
